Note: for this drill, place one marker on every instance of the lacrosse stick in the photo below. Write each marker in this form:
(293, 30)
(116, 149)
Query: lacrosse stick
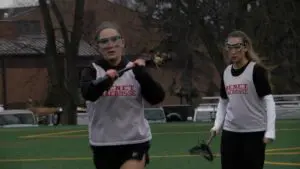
(204, 149)
(99, 80)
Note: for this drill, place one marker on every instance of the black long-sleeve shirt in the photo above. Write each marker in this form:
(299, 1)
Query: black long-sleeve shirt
(151, 90)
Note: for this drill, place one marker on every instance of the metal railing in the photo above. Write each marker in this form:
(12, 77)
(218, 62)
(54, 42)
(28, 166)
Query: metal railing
(287, 107)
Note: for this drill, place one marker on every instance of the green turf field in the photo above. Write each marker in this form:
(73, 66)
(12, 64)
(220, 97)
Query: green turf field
(67, 147)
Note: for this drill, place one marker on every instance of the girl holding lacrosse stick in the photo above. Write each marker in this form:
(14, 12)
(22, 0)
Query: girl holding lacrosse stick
(115, 90)
(246, 109)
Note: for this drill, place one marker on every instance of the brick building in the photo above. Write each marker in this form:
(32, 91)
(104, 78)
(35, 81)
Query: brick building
(23, 66)
(25, 73)
(23, 70)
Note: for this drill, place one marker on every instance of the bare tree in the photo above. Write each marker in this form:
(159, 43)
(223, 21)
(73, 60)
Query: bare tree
(62, 70)
(271, 24)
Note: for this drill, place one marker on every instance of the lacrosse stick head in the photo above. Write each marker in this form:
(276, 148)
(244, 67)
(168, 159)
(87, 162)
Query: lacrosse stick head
(202, 149)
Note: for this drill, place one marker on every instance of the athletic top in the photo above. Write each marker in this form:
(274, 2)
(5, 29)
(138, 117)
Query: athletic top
(116, 108)
(244, 89)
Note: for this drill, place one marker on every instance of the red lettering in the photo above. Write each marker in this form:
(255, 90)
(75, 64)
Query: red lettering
(121, 90)
(236, 89)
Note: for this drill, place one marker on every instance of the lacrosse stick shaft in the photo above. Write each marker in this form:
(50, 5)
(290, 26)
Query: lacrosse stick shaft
(99, 80)
(212, 136)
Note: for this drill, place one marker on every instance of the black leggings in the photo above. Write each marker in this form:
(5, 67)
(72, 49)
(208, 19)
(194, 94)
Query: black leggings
(242, 150)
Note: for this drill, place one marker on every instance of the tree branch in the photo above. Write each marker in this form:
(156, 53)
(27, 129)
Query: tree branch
(61, 22)
(50, 49)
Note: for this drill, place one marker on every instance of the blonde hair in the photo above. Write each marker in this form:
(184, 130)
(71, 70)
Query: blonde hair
(251, 55)
(110, 25)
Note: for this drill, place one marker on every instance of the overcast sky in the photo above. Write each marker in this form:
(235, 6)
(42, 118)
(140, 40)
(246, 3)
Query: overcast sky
(16, 3)
(5, 3)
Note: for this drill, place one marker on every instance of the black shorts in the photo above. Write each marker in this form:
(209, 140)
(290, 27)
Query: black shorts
(113, 157)
(242, 150)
